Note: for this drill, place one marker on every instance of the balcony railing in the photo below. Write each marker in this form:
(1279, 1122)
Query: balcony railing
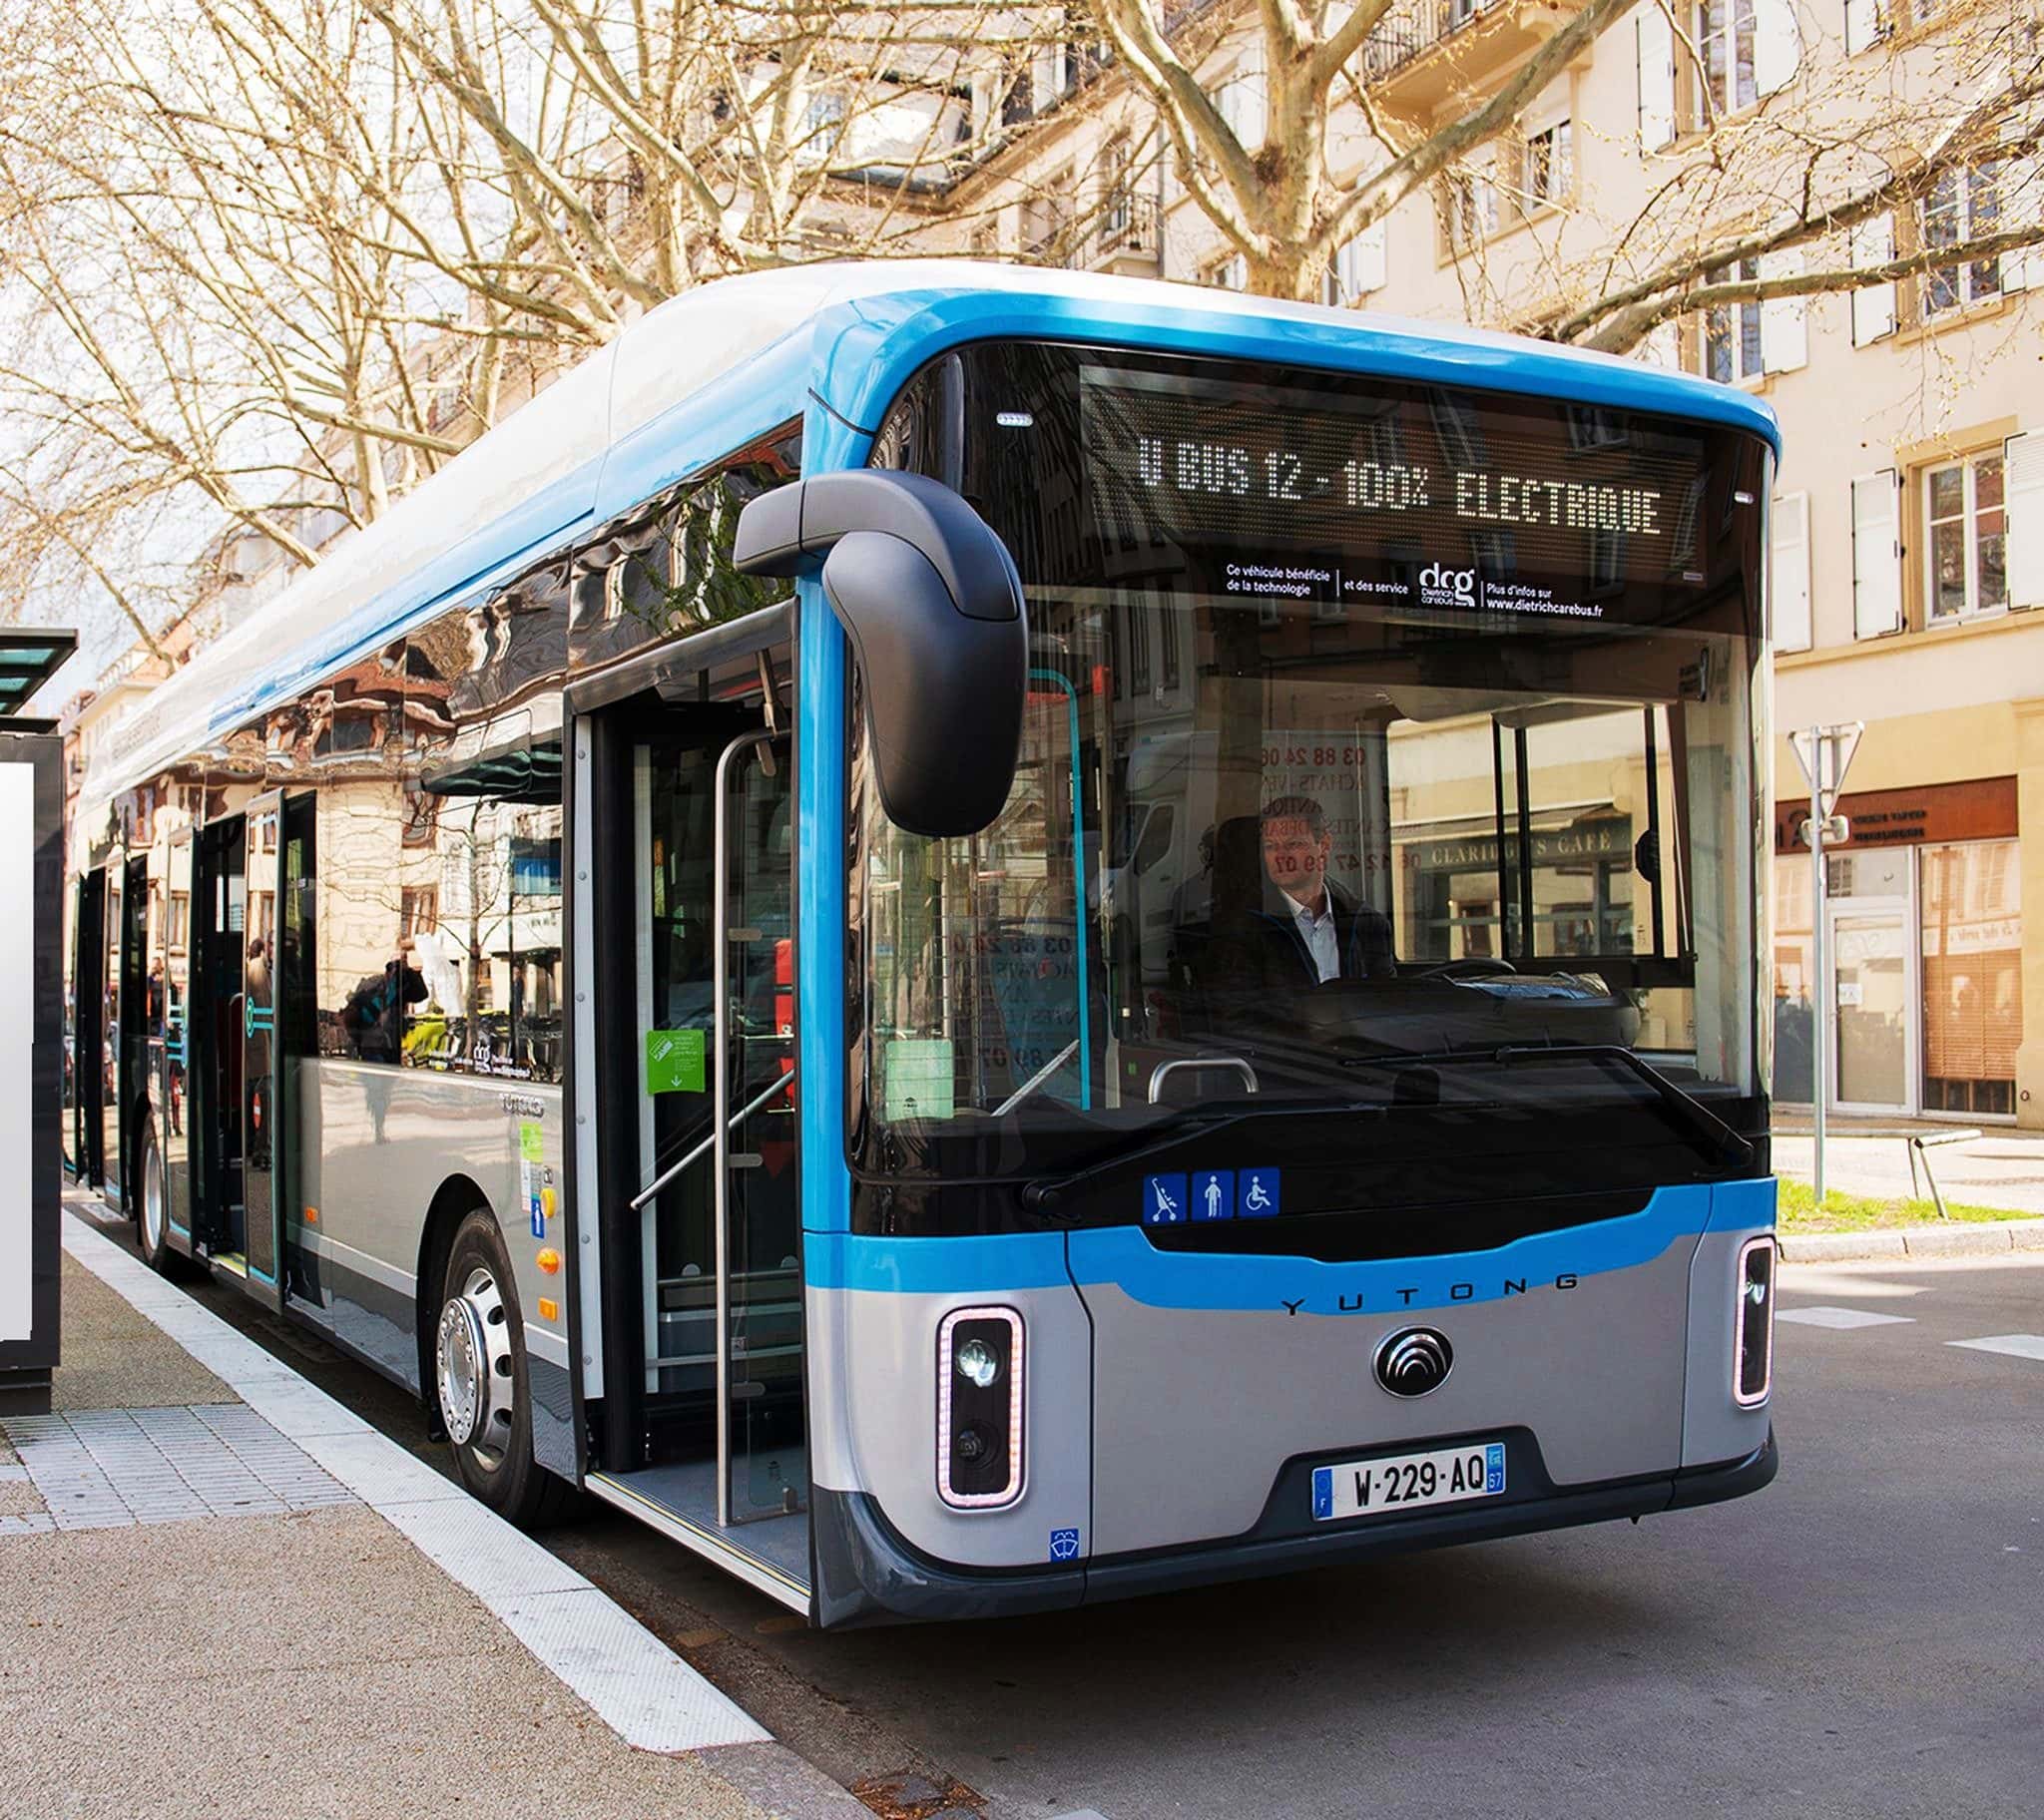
(1492, 32)
(1127, 229)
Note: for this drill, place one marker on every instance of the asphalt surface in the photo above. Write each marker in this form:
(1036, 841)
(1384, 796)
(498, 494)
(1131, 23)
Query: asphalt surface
(1863, 1638)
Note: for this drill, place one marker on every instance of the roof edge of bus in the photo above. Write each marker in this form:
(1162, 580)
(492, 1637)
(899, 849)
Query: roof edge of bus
(722, 364)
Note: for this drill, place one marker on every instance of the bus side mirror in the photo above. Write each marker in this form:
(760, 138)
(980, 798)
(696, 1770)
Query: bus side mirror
(932, 603)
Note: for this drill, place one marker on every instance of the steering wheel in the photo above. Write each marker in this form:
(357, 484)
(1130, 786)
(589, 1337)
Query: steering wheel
(1469, 967)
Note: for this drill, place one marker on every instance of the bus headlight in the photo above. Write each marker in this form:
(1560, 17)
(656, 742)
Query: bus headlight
(1753, 1354)
(979, 1408)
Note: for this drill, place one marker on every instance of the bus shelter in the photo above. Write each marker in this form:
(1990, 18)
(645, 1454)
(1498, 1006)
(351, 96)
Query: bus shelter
(32, 1056)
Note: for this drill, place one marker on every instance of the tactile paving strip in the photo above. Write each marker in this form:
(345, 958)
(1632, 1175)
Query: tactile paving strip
(104, 1467)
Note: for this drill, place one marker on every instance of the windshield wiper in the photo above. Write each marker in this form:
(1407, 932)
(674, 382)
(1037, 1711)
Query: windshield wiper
(1685, 1107)
(1194, 1123)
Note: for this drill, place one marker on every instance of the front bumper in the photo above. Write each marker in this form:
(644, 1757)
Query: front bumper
(866, 1574)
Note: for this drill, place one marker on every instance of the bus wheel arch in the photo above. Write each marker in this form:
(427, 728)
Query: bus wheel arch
(457, 1198)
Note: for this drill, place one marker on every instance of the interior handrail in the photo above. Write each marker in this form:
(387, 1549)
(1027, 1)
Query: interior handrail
(745, 1112)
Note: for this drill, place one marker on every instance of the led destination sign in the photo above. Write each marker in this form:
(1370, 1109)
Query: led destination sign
(1443, 498)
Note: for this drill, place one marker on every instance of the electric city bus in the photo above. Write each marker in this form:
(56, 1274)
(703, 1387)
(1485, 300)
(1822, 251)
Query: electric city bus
(985, 939)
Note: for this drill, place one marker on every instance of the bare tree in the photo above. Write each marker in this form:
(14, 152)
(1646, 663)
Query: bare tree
(1798, 168)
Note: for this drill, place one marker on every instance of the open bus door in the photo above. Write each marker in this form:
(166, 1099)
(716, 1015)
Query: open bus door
(213, 1043)
(88, 1012)
(704, 1430)
(133, 1072)
(261, 1096)
(112, 1177)
(172, 1127)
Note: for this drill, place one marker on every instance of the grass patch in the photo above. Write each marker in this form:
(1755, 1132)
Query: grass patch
(1798, 1212)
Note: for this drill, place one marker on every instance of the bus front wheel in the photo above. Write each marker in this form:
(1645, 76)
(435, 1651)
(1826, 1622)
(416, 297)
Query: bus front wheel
(481, 1383)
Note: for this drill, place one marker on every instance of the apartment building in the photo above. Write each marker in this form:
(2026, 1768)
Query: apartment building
(1908, 512)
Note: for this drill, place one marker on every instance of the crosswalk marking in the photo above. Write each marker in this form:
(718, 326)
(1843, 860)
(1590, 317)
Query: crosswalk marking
(2016, 1345)
(1842, 1317)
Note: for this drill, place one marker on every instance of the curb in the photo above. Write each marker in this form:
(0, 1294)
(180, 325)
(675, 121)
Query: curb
(1984, 1239)
(644, 1692)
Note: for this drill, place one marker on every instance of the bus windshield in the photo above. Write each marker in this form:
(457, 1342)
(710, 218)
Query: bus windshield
(1286, 821)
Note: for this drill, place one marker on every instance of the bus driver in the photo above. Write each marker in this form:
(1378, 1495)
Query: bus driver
(1310, 926)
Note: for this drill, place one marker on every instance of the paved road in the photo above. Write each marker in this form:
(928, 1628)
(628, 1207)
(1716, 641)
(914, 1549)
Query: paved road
(1864, 1638)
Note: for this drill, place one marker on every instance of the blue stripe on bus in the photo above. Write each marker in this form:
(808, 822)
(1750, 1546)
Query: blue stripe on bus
(1125, 1257)
(936, 1266)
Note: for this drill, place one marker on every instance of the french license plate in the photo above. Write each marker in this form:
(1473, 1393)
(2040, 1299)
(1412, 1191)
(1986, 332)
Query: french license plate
(1405, 1482)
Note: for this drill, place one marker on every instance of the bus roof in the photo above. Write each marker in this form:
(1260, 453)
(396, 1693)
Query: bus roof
(724, 363)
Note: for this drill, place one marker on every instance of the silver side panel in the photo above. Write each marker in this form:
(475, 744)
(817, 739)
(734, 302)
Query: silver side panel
(872, 1419)
(387, 1139)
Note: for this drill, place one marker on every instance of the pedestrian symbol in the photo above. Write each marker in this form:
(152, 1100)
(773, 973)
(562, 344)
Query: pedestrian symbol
(1164, 1200)
(1214, 1194)
(1258, 1197)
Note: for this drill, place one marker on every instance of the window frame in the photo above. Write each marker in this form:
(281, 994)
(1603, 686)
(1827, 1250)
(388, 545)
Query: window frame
(1963, 209)
(1968, 464)
(1742, 324)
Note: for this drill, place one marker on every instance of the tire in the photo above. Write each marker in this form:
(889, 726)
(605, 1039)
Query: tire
(153, 1207)
(481, 1384)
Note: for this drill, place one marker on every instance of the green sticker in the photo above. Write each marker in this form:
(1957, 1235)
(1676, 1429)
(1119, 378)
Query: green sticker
(528, 1141)
(674, 1062)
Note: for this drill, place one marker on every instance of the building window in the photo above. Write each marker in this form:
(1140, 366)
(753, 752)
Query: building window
(1470, 208)
(1972, 933)
(1725, 44)
(824, 124)
(1550, 167)
(1965, 541)
(1230, 274)
(1729, 334)
(1962, 205)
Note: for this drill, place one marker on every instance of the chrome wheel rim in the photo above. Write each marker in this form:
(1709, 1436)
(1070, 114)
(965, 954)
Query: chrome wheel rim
(476, 1376)
(152, 1208)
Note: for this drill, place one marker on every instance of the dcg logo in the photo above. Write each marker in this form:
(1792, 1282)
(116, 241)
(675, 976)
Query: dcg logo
(1459, 585)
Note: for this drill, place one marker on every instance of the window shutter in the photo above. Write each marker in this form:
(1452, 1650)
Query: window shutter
(1865, 25)
(1876, 554)
(2023, 480)
(1776, 44)
(1656, 45)
(1789, 571)
(2021, 189)
(1362, 264)
(1046, 76)
(1661, 347)
(1784, 327)
(1873, 306)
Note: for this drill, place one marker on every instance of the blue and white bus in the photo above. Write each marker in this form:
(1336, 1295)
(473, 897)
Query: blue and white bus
(982, 940)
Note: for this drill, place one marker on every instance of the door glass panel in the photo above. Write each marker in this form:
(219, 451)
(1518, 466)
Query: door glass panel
(177, 1006)
(258, 1019)
(110, 1039)
(676, 1054)
(768, 1471)
(1873, 1007)
(672, 810)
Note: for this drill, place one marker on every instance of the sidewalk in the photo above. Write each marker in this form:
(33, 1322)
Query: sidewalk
(222, 1594)
(2002, 1167)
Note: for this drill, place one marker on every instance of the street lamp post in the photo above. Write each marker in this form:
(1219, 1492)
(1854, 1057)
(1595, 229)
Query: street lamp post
(1824, 753)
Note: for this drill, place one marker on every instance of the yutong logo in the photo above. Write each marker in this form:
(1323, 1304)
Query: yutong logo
(1444, 587)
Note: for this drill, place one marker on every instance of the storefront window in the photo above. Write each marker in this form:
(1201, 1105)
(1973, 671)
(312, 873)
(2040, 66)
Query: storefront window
(1972, 934)
(1793, 994)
